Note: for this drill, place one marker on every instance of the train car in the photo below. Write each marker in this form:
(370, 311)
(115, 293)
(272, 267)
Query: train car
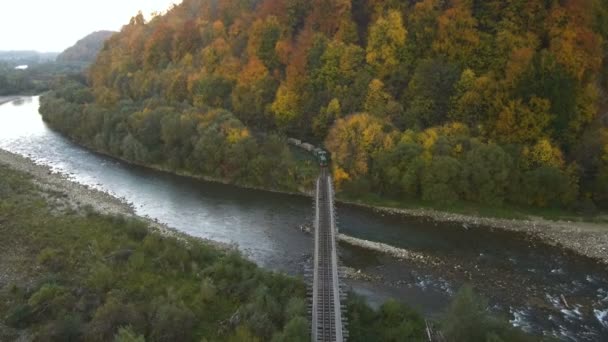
(322, 158)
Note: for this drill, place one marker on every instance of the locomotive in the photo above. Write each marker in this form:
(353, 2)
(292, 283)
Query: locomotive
(322, 157)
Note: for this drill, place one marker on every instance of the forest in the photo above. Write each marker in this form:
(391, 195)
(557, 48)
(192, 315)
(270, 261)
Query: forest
(37, 78)
(442, 101)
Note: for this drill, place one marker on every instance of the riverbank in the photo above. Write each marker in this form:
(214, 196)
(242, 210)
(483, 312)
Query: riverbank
(584, 238)
(80, 197)
(69, 272)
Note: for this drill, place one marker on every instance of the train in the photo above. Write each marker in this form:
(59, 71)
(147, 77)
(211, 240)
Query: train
(322, 157)
(320, 154)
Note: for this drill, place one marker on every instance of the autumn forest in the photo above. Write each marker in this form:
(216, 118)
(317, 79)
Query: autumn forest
(441, 101)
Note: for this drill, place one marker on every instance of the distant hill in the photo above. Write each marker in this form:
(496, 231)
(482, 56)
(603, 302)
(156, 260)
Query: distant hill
(86, 49)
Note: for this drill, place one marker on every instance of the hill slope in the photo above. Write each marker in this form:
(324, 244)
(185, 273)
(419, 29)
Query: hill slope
(440, 101)
(86, 49)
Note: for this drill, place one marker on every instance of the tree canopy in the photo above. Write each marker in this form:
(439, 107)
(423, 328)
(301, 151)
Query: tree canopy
(515, 74)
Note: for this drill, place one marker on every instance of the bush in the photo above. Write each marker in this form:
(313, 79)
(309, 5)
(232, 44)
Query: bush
(110, 317)
(50, 300)
(126, 334)
(296, 330)
(172, 322)
(442, 180)
(20, 317)
(51, 258)
(65, 329)
(468, 320)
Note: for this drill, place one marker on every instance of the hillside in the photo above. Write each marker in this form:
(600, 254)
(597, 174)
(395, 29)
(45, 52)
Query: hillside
(86, 49)
(488, 102)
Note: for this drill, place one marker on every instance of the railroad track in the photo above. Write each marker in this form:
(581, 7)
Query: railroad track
(327, 321)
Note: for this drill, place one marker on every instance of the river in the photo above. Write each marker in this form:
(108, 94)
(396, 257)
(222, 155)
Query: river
(522, 277)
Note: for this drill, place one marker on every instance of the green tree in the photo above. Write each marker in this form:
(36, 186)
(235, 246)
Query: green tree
(487, 170)
(546, 79)
(472, 102)
(468, 319)
(326, 118)
(442, 180)
(214, 91)
(264, 36)
(297, 330)
(548, 186)
(126, 334)
(397, 171)
(428, 94)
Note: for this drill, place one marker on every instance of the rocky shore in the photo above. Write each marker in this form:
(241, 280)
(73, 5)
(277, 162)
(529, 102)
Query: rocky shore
(81, 197)
(584, 238)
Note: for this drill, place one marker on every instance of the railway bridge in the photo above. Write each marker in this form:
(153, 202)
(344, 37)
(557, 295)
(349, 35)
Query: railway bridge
(327, 321)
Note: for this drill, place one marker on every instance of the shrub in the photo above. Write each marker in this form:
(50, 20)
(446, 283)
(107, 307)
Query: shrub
(52, 258)
(126, 334)
(20, 316)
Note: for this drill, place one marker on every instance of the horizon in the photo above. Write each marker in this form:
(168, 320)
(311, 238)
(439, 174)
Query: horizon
(77, 20)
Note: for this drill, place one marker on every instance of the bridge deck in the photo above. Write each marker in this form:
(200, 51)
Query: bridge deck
(326, 308)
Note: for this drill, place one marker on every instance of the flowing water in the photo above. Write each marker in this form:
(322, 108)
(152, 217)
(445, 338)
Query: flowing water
(523, 278)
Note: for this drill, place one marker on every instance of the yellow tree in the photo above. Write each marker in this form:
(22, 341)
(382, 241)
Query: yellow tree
(422, 25)
(457, 35)
(543, 153)
(352, 142)
(286, 105)
(519, 122)
(385, 43)
(573, 43)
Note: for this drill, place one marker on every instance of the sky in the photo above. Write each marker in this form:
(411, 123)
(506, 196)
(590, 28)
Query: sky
(54, 25)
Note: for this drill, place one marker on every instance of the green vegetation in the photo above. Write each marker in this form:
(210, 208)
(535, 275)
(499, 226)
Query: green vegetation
(491, 103)
(467, 319)
(37, 78)
(207, 142)
(76, 275)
